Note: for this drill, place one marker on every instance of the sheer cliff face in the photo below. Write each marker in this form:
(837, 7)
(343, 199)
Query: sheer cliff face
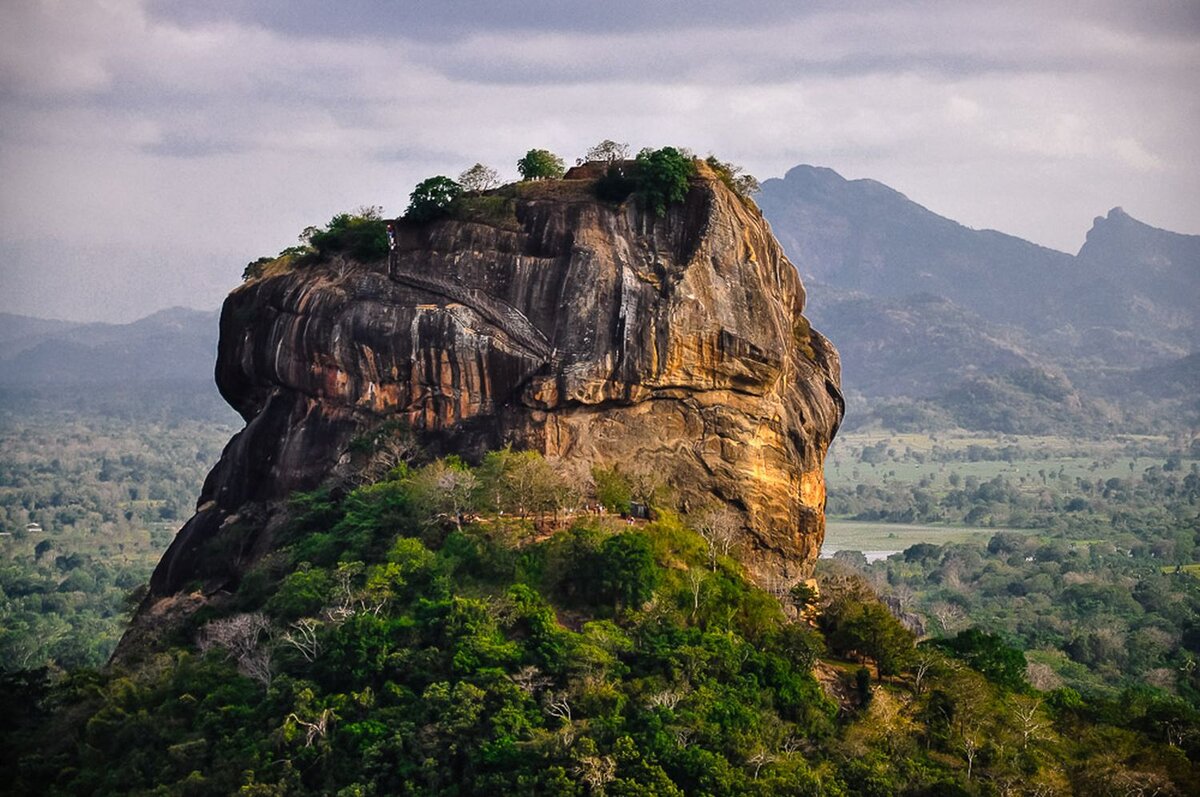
(590, 332)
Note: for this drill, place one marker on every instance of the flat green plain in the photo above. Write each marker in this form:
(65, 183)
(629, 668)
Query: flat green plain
(858, 535)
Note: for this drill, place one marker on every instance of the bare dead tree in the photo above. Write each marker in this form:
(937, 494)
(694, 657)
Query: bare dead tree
(794, 744)
(388, 446)
(312, 730)
(1030, 724)
(667, 698)
(607, 151)
(780, 586)
(903, 597)
(759, 760)
(948, 615)
(597, 771)
(479, 178)
(558, 705)
(246, 638)
(922, 664)
(458, 488)
(530, 680)
(349, 600)
(695, 581)
(719, 526)
(970, 744)
(303, 637)
(683, 736)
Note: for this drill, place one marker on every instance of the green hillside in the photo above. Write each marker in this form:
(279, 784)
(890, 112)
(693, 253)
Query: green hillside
(399, 642)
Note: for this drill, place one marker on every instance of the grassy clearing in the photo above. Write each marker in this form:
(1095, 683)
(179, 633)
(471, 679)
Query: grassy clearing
(1037, 461)
(1191, 570)
(854, 535)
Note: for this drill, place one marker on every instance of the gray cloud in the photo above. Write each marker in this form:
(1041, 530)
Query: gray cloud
(454, 19)
(209, 134)
(185, 145)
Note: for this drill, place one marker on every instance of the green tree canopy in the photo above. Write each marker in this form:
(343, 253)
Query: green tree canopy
(662, 178)
(361, 235)
(540, 164)
(868, 628)
(432, 198)
(990, 655)
(628, 574)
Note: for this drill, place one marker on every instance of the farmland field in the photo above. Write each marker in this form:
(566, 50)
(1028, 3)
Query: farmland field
(886, 538)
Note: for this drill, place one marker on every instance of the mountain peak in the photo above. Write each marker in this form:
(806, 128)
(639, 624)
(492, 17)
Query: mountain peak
(808, 172)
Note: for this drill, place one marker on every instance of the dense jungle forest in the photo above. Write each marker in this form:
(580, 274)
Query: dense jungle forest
(453, 629)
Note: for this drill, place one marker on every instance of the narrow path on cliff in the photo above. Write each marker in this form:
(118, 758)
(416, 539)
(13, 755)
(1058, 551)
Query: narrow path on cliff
(501, 314)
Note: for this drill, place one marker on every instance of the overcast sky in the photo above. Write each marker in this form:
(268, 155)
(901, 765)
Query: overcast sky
(149, 149)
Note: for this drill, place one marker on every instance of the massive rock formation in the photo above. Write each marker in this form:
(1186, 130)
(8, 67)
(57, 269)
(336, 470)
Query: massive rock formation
(544, 318)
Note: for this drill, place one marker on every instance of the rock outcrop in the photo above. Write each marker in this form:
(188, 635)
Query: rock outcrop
(544, 318)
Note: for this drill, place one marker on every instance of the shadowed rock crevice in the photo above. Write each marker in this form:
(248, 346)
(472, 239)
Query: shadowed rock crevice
(592, 332)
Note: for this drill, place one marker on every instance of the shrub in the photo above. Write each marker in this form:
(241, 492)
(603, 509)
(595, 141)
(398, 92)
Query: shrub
(662, 178)
(734, 178)
(285, 260)
(432, 198)
(361, 235)
(615, 185)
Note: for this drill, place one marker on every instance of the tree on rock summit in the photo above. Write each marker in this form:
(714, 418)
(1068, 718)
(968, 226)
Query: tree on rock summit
(540, 164)
(432, 198)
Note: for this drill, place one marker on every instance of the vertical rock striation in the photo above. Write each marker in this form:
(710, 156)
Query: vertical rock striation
(544, 318)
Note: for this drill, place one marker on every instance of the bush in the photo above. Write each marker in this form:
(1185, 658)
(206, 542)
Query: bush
(734, 178)
(615, 185)
(540, 164)
(662, 178)
(361, 235)
(432, 198)
(285, 260)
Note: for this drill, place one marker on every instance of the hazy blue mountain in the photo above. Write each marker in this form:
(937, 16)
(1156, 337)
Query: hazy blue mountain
(907, 346)
(157, 368)
(1157, 271)
(172, 344)
(861, 235)
(19, 332)
(920, 305)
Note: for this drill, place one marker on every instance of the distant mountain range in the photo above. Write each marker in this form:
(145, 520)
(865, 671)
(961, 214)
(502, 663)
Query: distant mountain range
(926, 308)
(172, 344)
(160, 366)
(972, 325)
